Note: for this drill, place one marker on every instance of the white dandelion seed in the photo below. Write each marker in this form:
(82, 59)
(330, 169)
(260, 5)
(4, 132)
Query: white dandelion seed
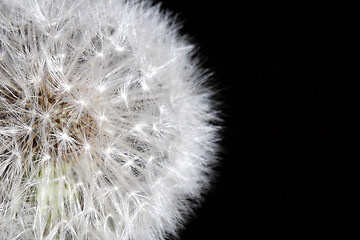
(106, 128)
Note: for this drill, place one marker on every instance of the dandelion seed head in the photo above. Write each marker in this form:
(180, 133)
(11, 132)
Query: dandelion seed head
(108, 150)
(67, 87)
(106, 125)
(47, 157)
(120, 49)
(102, 118)
(87, 147)
(29, 129)
(101, 88)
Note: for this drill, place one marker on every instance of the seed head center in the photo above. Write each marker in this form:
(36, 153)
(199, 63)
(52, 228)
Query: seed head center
(50, 123)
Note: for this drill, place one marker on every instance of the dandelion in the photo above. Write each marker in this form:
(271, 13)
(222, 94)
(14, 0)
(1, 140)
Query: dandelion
(106, 128)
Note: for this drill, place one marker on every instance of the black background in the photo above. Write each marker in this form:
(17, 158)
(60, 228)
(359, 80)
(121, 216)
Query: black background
(288, 78)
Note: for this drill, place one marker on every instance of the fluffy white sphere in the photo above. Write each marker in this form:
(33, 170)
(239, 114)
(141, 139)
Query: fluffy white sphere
(106, 128)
